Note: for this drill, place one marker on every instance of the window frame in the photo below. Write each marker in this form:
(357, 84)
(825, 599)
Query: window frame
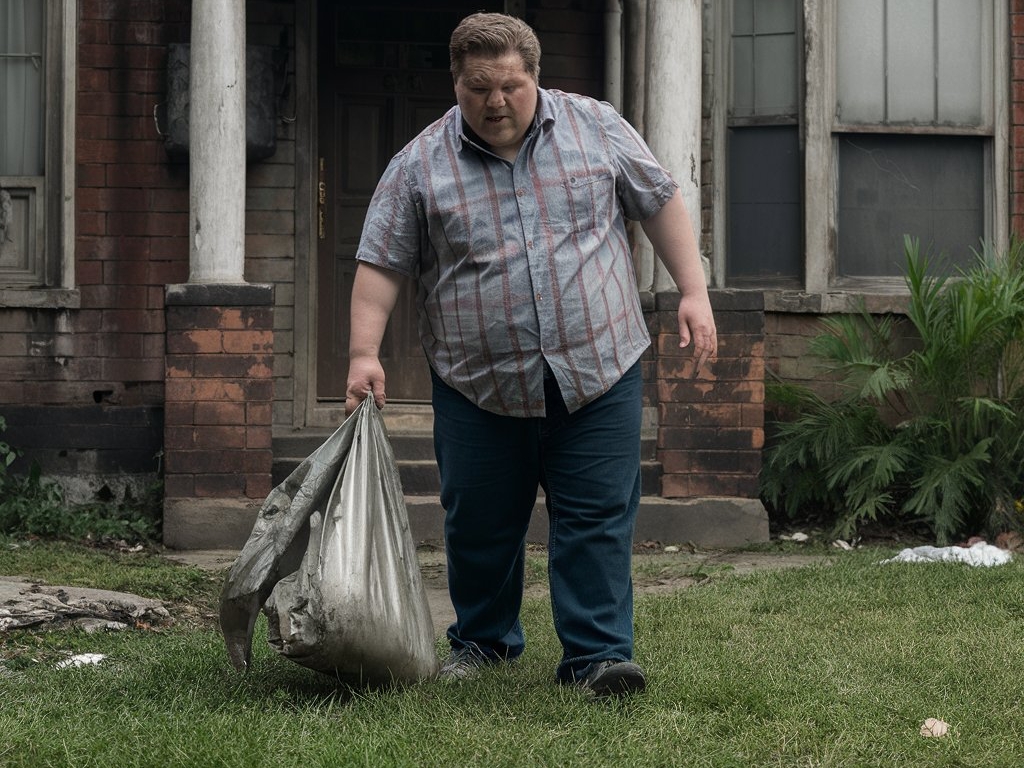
(820, 132)
(58, 198)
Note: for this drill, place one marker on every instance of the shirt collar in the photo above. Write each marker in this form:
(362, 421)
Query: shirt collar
(542, 117)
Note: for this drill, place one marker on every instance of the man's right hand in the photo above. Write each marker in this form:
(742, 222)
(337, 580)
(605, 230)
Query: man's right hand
(365, 376)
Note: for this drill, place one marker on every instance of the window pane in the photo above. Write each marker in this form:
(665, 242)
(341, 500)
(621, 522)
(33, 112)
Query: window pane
(765, 64)
(764, 203)
(775, 75)
(928, 187)
(963, 31)
(914, 61)
(910, 60)
(21, 88)
(860, 59)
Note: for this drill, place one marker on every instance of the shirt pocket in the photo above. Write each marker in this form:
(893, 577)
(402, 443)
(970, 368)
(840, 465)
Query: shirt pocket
(589, 200)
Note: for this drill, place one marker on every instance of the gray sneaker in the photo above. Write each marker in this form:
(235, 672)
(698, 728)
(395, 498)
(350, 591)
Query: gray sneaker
(462, 664)
(612, 678)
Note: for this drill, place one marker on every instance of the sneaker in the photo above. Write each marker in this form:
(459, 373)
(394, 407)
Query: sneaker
(612, 678)
(462, 664)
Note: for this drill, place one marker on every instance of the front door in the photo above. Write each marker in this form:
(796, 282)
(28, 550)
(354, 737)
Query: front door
(382, 77)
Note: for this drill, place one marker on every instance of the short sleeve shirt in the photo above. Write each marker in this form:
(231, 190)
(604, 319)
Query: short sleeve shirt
(525, 262)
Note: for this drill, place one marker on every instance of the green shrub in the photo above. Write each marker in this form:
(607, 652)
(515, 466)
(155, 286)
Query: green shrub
(30, 505)
(934, 433)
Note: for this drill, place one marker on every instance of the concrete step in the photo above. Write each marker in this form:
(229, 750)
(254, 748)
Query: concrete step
(414, 456)
(704, 522)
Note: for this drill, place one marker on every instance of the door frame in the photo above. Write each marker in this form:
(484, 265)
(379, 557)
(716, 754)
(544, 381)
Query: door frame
(307, 410)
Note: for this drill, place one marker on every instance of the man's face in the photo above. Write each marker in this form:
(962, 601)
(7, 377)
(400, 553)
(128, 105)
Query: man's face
(498, 100)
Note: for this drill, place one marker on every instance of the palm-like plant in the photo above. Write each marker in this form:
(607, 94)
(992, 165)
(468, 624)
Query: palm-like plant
(935, 432)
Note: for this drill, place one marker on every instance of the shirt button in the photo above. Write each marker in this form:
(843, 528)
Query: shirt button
(539, 297)
(520, 192)
(529, 243)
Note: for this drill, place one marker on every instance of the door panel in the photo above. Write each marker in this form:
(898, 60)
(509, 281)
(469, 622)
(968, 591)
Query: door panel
(382, 77)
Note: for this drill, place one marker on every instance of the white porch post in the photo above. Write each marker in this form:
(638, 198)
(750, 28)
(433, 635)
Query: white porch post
(217, 142)
(672, 103)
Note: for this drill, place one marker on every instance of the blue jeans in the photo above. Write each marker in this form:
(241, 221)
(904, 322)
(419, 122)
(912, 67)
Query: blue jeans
(588, 464)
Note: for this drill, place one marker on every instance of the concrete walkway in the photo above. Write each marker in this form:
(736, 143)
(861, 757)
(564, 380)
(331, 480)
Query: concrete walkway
(654, 571)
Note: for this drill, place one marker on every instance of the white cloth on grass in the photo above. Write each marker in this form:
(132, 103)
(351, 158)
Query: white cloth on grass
(977, 554)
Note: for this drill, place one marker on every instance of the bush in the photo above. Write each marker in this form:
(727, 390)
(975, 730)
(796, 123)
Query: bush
(935, 433)
(32, 506)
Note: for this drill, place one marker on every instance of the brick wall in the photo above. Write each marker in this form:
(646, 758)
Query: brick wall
(217, 414)
(711, 428)
(132, 205)
(1017, 117)
(270, 228)
(99, 363)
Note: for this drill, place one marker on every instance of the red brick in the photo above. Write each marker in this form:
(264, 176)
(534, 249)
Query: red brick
(178, 414)
(258, 486)
(259, 414)
(197, 462)
(179, 486)
(242, 342)
(233, 366)
(194, 342)
(191, 390)
(219, 437)
(220, 413)
(258, 437)
(219, 486)
(681, 414)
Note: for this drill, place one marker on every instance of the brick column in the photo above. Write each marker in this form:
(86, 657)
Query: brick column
(1015, 154)
(217, 418)
(711, 429)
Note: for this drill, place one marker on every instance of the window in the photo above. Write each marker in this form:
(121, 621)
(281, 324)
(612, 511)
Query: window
(37, 90)
(848, 124)
(762, 149)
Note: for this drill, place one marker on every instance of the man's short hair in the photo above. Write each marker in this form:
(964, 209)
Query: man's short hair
(494, 35)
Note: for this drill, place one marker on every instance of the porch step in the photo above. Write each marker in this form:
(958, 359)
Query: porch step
(414, 455)
(704, 522)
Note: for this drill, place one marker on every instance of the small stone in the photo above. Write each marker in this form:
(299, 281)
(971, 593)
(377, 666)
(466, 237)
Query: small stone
(934, 728)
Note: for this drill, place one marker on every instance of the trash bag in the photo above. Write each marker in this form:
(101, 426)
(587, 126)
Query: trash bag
(332, 564)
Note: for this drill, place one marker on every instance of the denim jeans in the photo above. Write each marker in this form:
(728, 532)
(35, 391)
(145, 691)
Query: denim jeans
(588, 464)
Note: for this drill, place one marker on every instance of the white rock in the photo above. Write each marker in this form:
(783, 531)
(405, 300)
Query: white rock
(933, 727)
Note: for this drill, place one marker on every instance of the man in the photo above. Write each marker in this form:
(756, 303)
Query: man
(509, 212)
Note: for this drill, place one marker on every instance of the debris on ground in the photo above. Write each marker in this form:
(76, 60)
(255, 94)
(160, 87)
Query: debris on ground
(980, 553)
(26, 604)
(80, 660)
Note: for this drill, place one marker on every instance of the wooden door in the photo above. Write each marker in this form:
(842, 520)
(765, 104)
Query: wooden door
(382, 77)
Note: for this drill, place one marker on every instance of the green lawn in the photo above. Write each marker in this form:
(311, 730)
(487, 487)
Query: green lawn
(832, 665)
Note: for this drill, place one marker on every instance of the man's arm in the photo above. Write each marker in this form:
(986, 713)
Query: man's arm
(671, 233)
(374, 294)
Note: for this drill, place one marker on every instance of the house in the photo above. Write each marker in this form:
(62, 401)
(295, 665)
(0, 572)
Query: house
(176, 251)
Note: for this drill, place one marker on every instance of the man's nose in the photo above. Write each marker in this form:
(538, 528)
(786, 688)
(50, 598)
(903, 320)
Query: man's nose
(495, 98)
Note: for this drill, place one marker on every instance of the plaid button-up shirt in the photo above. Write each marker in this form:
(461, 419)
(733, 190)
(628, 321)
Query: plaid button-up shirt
(522, 262)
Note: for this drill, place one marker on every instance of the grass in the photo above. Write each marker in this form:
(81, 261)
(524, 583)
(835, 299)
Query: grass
(831, 665)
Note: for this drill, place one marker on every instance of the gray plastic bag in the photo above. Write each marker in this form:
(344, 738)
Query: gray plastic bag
(333, 565)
